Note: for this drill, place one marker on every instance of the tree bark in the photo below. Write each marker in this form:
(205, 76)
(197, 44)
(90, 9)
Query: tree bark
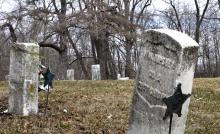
(199, 20)
(104, 57)
(78, 56)
(63, 65)
(61, 14)
(129, 71)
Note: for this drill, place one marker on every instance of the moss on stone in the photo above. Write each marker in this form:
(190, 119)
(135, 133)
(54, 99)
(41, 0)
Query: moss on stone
(31, 88)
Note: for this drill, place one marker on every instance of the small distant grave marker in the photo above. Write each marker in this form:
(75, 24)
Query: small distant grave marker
(23, 79)
(70, 74)
(164, 82)
(118, 76)
(122, 78)
(96, 72)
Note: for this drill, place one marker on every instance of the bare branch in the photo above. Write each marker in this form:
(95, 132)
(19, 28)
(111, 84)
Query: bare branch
(55, 6)
(177, 16)
(204, 11)
(12, 31)
(147, 3)
(83, 57)
(51, 45)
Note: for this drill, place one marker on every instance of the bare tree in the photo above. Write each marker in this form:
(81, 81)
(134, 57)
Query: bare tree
(110, 28)
(199, 18)
(48, 26)
(176, 14)
(133, 16)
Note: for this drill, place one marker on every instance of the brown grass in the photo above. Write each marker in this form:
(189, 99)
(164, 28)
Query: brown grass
(102, 107)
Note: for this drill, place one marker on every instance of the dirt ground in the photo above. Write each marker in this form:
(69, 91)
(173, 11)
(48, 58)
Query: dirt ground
(102, 107)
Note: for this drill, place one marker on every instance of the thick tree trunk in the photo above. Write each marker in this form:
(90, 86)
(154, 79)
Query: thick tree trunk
(216, 58)
(129, 40)
(63, 65)
(204, 67)
(199, 19)
(119, 63)
(196, 37)
(129, 71)
(104, 57)
(94, 52)
(78, 56)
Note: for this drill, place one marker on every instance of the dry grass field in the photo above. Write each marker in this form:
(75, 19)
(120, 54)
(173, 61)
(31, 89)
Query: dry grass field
(102, 107)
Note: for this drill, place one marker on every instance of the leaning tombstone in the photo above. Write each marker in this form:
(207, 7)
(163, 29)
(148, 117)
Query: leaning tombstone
(23, 79)
(70, 74)
(165, 74)
(96, 72)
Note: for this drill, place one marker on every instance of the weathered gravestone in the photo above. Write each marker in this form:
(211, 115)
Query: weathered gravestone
(96, 72)
(23, 79)
(118, 76)
(70, 74)
(167, 58)
(122, 78)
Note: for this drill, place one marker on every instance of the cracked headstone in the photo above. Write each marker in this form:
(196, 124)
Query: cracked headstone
(23, 79)
(96, 72)
(70, 74)
(167, 58)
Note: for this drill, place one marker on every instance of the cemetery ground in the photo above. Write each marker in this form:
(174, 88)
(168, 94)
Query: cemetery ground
(102, 107)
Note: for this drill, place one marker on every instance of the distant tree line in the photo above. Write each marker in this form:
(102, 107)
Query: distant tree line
(108, 32)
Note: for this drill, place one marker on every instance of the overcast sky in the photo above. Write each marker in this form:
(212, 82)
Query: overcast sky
(159, 4)
(7, 5)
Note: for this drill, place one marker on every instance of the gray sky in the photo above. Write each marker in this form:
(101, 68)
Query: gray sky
(159, 4)
(7, 5)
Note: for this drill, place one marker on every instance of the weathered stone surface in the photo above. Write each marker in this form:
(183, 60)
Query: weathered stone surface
(167, 58)
(23, 79)
(96, 72)
(70, 74)
(118, 76)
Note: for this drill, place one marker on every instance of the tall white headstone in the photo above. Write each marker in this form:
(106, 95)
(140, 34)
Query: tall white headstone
(70, 74)
(96, 75)
(167, 58)
(23, 79)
